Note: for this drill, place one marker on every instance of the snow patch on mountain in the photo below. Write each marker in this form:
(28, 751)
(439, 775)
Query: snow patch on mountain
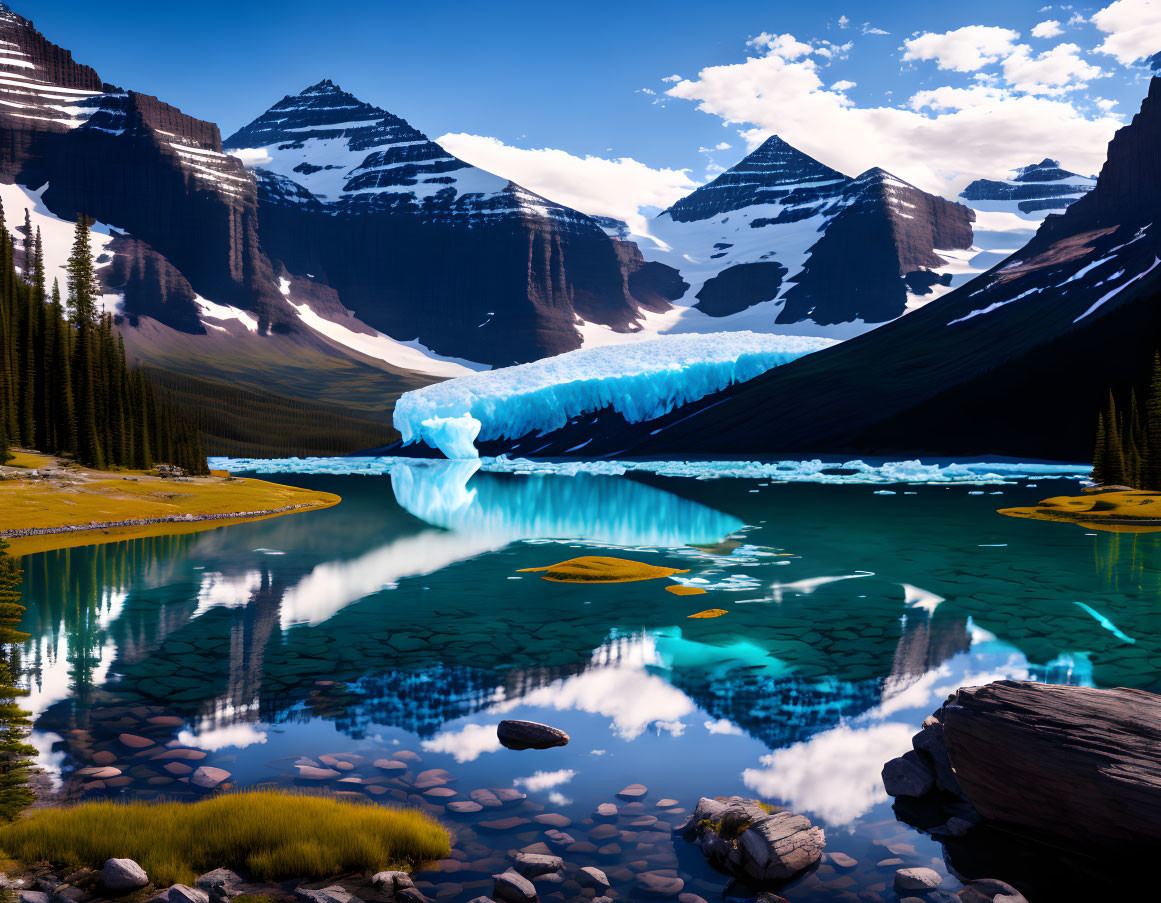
(405, 355)
(57, 237)
(640, 381)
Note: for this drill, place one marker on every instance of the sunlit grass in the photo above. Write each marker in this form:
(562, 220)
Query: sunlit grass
(266, 836)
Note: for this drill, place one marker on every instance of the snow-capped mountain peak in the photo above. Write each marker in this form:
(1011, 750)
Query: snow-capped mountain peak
(774, 173)
(1031, 192)
(325, 145)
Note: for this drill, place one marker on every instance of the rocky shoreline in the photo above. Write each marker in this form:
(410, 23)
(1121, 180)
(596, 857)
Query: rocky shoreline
(148, 521)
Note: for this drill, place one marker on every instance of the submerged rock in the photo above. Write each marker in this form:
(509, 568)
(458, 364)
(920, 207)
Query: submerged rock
(123, 875)
(333, 894)
(917, 880)
(989, 890)
(512, 887)
(742, 838)
(530, 735)
(908, 775)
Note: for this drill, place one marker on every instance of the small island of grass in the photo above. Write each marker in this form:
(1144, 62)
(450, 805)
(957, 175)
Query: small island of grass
(48, 502)
(1116, 509)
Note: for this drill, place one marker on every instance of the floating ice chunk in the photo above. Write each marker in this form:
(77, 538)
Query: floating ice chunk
(640, 381)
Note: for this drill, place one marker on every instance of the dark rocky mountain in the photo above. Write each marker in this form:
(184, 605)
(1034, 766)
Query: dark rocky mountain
(791, 242)
(879, 250)
(1015, 362)
(1042, 186)
(420, 244)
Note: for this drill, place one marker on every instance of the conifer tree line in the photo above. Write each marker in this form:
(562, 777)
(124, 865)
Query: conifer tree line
(1127, 450)
(15, 751)
(65, 384)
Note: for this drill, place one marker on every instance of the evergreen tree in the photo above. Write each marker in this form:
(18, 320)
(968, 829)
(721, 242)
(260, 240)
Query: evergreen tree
(1100, 451)
(1114, 462)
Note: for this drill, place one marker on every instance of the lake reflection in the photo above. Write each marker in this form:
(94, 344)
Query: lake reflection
(398, 620)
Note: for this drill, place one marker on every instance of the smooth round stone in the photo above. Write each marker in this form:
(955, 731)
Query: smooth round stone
(391, 765)
(503, 824)
(435, 777)
(646, 821)
(345, 766)
(178, 769)
(189, 755)
(553, 820)
(611, 850)
(440, 792)
(208, 778)
(584, 847)
(310, 773)
(590, 876)
(917, 879)
(486, 798)
(607, 810)
(100, 773)
(842, 860)
(690, 898)
(633, 792)
(668, 803)
(889, 863)
(104, 757)
(464, 806)
(374, 789)
(604, 832)
(407, 755)
(660, 884)
(166, 721)
(509, 794)
(120, 875)
(521, 735)
(133, 741)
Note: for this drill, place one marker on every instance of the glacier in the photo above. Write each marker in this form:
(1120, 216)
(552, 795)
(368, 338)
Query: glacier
(640, 382)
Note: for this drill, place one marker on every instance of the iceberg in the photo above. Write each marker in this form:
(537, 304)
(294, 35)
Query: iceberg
(640, 381)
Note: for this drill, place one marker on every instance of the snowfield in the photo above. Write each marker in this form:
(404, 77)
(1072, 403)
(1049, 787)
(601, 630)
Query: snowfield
(640, 382)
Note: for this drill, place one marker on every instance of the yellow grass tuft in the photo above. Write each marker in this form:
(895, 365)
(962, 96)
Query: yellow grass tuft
(264, 835)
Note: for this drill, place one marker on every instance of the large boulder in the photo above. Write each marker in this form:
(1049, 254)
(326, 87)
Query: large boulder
(1075, 762)
(743, 838)
(530, 735)
(121, 876)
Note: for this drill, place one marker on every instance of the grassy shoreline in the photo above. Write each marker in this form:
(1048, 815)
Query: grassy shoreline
(77, 506)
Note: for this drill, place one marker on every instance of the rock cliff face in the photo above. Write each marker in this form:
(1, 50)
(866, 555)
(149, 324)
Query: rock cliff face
(420, 244)
(143, 167)
(882, 247)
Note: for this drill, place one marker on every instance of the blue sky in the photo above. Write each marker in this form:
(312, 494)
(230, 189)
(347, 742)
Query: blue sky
(558, 95)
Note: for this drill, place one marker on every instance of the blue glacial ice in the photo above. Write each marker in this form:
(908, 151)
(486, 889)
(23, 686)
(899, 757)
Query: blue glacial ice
(978, 473)
(640, 381)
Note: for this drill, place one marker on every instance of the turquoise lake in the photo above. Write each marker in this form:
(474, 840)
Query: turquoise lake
(398, 623)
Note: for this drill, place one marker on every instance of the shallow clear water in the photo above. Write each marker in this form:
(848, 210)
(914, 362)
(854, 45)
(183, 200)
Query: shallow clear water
(398, 621)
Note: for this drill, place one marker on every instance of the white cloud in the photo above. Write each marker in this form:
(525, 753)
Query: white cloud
(723, 726)
(545, 780)
(467, 744)
(1049, 28)
(1133, 28)
(835, 774)
(844, 22)
(948, 98)
(595, 185)
(1052, 72)
(672, 78)
(234, 736)
(842, 85)
(251, 157)
(870, 29)
(942, 139)
(963, 49)
(784, 45)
